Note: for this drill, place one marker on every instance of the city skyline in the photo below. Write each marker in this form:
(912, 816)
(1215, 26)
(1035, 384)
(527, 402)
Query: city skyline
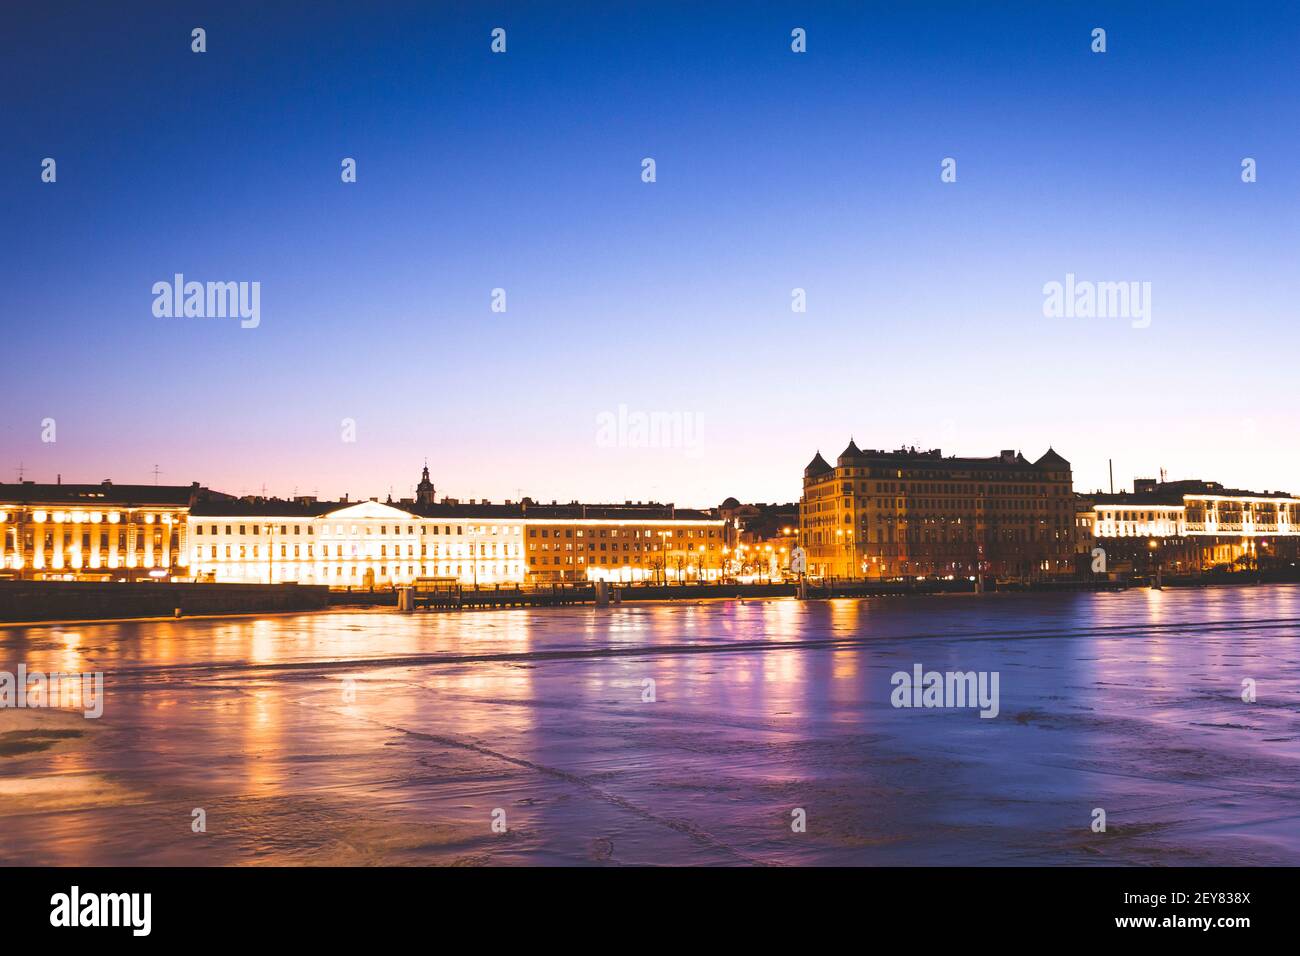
(305, 486)
(522, 171)
(888, 516)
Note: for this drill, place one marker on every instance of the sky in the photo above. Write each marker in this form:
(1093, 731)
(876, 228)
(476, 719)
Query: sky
(629, 301)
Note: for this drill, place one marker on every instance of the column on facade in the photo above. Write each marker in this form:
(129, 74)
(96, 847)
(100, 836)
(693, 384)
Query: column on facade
(163, 557)
(111, 529)
(38, 541)
(149, 561)
(182, 543)
(54, 560)
(96, 558)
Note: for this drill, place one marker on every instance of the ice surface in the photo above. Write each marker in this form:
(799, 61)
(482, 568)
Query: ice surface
(379, 738)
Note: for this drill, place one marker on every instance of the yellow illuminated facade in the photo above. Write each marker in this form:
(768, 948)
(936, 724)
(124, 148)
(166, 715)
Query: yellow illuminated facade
(93, 532)
(878, 514)
(1193, 525)
(662, 549)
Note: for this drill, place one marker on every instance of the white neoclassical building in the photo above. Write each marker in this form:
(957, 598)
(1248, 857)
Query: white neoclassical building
(363, 544)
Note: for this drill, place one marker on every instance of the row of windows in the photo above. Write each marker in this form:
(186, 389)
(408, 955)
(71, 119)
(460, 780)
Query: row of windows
(359, 571)
(989, 476)
(338, 551)
(256, 529)
(507, 530)
(577, 559)
(591, 546)
(614, 533)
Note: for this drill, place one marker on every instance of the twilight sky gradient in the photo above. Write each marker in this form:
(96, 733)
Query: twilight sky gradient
(775, 170)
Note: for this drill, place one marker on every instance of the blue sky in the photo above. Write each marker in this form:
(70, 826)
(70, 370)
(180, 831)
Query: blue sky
(521, 171)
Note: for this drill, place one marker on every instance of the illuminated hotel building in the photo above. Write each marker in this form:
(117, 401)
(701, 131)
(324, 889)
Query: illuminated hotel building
(95, 532)
(1193, 526)
(880, 514)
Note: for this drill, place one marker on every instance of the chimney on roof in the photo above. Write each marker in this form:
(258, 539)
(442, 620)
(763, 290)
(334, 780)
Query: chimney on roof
(58, 479)
(1008, 454)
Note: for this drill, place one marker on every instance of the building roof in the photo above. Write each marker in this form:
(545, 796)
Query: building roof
(266, 508)
(649, 511)
(105, 493)
(934, 458)
(450, 510)
(1174, 492)
(1051, 459)
(1137, 499)
(817, 466)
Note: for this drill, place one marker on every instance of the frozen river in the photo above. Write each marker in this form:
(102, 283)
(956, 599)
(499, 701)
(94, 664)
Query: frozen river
(378, 738)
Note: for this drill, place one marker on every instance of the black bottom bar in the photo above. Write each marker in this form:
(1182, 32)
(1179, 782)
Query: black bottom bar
(328, 906)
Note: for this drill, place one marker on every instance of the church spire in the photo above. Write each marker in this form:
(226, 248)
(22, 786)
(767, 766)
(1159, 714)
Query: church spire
(424, 491)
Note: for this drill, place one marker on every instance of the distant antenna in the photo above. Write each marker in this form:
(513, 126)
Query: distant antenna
(1163, 475)
(156, 473)
(20, 473)
(1110, 463)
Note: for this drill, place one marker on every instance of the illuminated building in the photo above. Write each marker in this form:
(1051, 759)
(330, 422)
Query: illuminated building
(759, 539)
(368, 544)
(108, 532)
(95, 532)
(354, 544)
(1192, 526)
(628, 542)
(879, 514)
